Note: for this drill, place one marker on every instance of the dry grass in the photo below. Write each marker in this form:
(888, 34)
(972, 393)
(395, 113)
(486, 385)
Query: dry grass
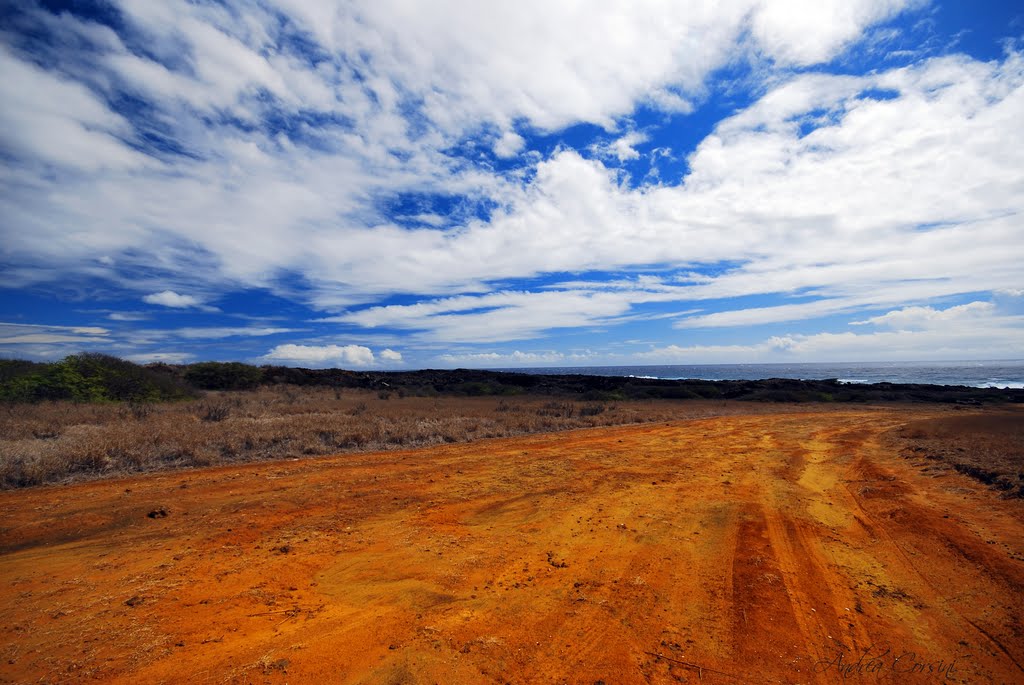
(987, 446)
(61, 441)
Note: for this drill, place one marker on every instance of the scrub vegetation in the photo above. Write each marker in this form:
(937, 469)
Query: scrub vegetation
(94, 415)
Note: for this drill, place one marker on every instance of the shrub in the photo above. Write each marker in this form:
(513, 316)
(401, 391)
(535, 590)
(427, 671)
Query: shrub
(214, 412)
(223, 375)
(88, 377)
(592, 409)
(559, 409)
(124, 381)
(474, 389)
(11, 369)
(138, 410)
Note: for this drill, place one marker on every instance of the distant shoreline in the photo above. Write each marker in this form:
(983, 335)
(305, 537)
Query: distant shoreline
(976, 373)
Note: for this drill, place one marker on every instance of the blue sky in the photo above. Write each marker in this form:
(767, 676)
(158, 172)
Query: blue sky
(392, 184)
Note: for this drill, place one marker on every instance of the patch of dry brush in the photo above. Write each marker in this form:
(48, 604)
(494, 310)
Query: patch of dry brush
(987, 446)
(59, 441)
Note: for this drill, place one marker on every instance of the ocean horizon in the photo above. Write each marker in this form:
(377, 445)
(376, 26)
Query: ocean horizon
(977, 374)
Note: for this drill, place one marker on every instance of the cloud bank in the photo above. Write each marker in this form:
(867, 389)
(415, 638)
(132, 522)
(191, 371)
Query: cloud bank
(463, 174)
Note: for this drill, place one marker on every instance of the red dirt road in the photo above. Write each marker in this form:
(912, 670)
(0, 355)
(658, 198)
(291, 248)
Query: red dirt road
(790, 548)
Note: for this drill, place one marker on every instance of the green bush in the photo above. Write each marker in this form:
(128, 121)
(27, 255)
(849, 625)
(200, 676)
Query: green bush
(88, 377)
(12, 369)
(61, 380)
(223, 375)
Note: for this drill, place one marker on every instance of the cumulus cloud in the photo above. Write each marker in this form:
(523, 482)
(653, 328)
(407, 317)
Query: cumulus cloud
(390, 355)
(623, 148)
(800, 33)
(320, 355)
(509, 145)
(929, 317)
(475, 61)
(169, 298)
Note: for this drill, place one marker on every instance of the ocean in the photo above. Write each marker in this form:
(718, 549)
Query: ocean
(978, 374)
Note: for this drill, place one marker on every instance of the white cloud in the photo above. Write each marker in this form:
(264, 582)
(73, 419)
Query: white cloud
(430, 219)
(1001, 342)
(320, 355)
(929, 317)
(212, 332)
(75, 330)
(127, 316)
(497, 62)
(973, 331)
(509, 145)
(55, 121)
(624, 147)
(40, 334)
(494, 317)
(47, 338)
(762, 315)
(976, 330)
(169, 298)
(390, 355)
(703, 354)
(800, 33)
(989, 342)
(513, 359)
(165, 357)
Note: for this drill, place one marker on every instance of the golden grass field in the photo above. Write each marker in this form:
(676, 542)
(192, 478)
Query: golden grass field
(67, 441)
(747, 544)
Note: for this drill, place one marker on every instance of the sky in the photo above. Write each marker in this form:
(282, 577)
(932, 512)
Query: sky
(391, 184)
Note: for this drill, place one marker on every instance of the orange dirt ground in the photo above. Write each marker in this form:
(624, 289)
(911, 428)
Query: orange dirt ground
(788, 548)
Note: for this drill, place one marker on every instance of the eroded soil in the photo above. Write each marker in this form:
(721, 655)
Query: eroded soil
(791, 548)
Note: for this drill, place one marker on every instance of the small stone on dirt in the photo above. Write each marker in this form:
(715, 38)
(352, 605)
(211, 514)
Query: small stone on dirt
(157, 513)
(279, 665)
(557, 563)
